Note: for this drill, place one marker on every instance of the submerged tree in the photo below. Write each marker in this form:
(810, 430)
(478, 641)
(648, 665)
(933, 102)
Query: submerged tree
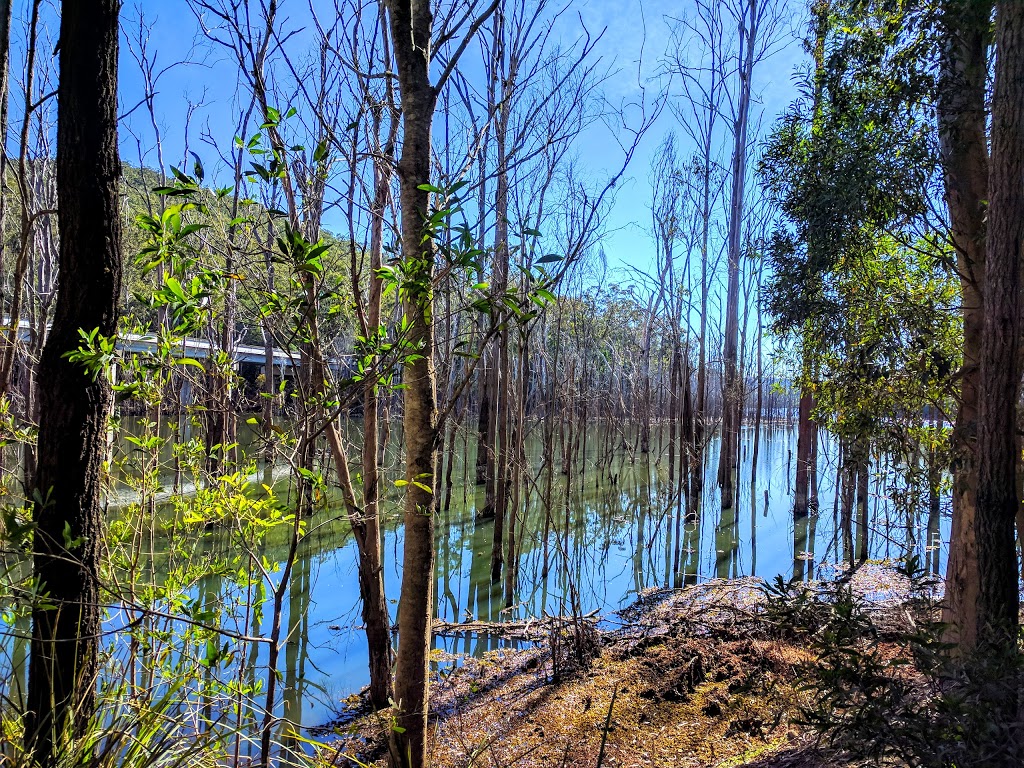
(759, 26)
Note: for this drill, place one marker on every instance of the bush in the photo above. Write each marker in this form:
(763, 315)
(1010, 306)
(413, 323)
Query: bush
(889, 692)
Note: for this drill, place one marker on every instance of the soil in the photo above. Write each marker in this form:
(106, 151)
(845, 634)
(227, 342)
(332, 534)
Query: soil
(683, 679)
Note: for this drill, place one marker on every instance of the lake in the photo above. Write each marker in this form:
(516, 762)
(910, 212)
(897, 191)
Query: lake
(614, 529)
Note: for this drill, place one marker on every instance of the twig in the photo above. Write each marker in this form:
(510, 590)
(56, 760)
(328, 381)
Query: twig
(607, 725)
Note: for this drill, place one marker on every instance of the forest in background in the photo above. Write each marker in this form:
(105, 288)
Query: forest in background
(384, 262)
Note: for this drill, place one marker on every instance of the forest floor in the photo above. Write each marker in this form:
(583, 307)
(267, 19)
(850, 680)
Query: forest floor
(689, 677)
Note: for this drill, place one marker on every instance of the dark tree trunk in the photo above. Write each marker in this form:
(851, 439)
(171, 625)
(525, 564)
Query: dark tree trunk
(863, 484)
(484, 436)
(807, 435)
(964, 151)
(998, 497)
(74, 403)
(371, 570)
(5, 51)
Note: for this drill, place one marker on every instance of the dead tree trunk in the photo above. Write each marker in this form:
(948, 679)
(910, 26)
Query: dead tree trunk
(731, 385)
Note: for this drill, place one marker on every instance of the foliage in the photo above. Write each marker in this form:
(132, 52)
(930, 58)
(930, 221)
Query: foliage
(894, 349)
(882, 686)
(854, 158)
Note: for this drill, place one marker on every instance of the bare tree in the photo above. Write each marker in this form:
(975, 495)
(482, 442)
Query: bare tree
(759, 25)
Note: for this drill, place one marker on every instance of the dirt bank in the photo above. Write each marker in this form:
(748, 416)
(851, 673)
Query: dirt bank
(683, 678)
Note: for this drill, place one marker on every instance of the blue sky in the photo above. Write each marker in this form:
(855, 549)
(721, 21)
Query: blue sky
(638, 36)
(635, 37)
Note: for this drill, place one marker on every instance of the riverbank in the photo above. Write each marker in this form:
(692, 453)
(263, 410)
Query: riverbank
(699, 676)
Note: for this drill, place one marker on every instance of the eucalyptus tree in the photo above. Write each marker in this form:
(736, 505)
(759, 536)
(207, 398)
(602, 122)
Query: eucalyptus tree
(961, 93)
(700, 112)
(834, 177)
(381, 136)
(538, 99)
(74, 404)
(670, 214)
(350, 59)
(414, 39)
(760, 28)
(998, 499)
(545, 193)
(807, 428)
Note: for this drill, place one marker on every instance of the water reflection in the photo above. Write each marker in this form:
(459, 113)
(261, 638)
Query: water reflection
(589, 540)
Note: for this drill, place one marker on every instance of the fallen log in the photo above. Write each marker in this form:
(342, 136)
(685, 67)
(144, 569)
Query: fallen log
(533, 629)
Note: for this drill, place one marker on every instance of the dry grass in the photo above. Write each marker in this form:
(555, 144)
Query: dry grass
(697, 680)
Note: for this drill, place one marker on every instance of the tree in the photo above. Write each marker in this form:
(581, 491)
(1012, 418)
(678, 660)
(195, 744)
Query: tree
(74, 403)
(998, 498)
(758, 25)
(410, 22)
(411, 25)
(807, 429)
(963, 29)
(703, 89)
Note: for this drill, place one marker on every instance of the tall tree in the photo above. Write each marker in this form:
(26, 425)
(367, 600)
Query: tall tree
(807, 429)
(410, 22)
(74, 403)
(998, 498)
(704, 87)
(964, 30)
(411, 26)
(758, 24)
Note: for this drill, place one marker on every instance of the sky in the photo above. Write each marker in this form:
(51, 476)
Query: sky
(635, 35)
(639, 33)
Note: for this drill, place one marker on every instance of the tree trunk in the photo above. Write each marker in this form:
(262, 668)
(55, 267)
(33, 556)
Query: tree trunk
(371, 569)
(74, 405)
(410, 22)
(998, 497)
(731, 386)
(807, 429)
(963, 146)
(5, 51)
(863, 483)
(10, 350)
(807, 433)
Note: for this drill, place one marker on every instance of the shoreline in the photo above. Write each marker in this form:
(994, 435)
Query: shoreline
(691, 677)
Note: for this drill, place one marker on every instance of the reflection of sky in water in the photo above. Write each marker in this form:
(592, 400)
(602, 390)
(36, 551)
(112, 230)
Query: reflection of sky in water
(621, 539)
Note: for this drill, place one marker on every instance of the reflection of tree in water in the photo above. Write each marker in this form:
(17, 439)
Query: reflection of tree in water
(295, 654)
(803, 545)
(590, 541)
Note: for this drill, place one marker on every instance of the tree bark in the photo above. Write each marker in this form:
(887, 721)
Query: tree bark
(410, 22)
(371, 570)
(74, 404)
(732, 387)
(964, 151)
(998, 497)
(807, 434)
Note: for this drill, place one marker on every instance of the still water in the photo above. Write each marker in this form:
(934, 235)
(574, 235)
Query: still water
(613, 530)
